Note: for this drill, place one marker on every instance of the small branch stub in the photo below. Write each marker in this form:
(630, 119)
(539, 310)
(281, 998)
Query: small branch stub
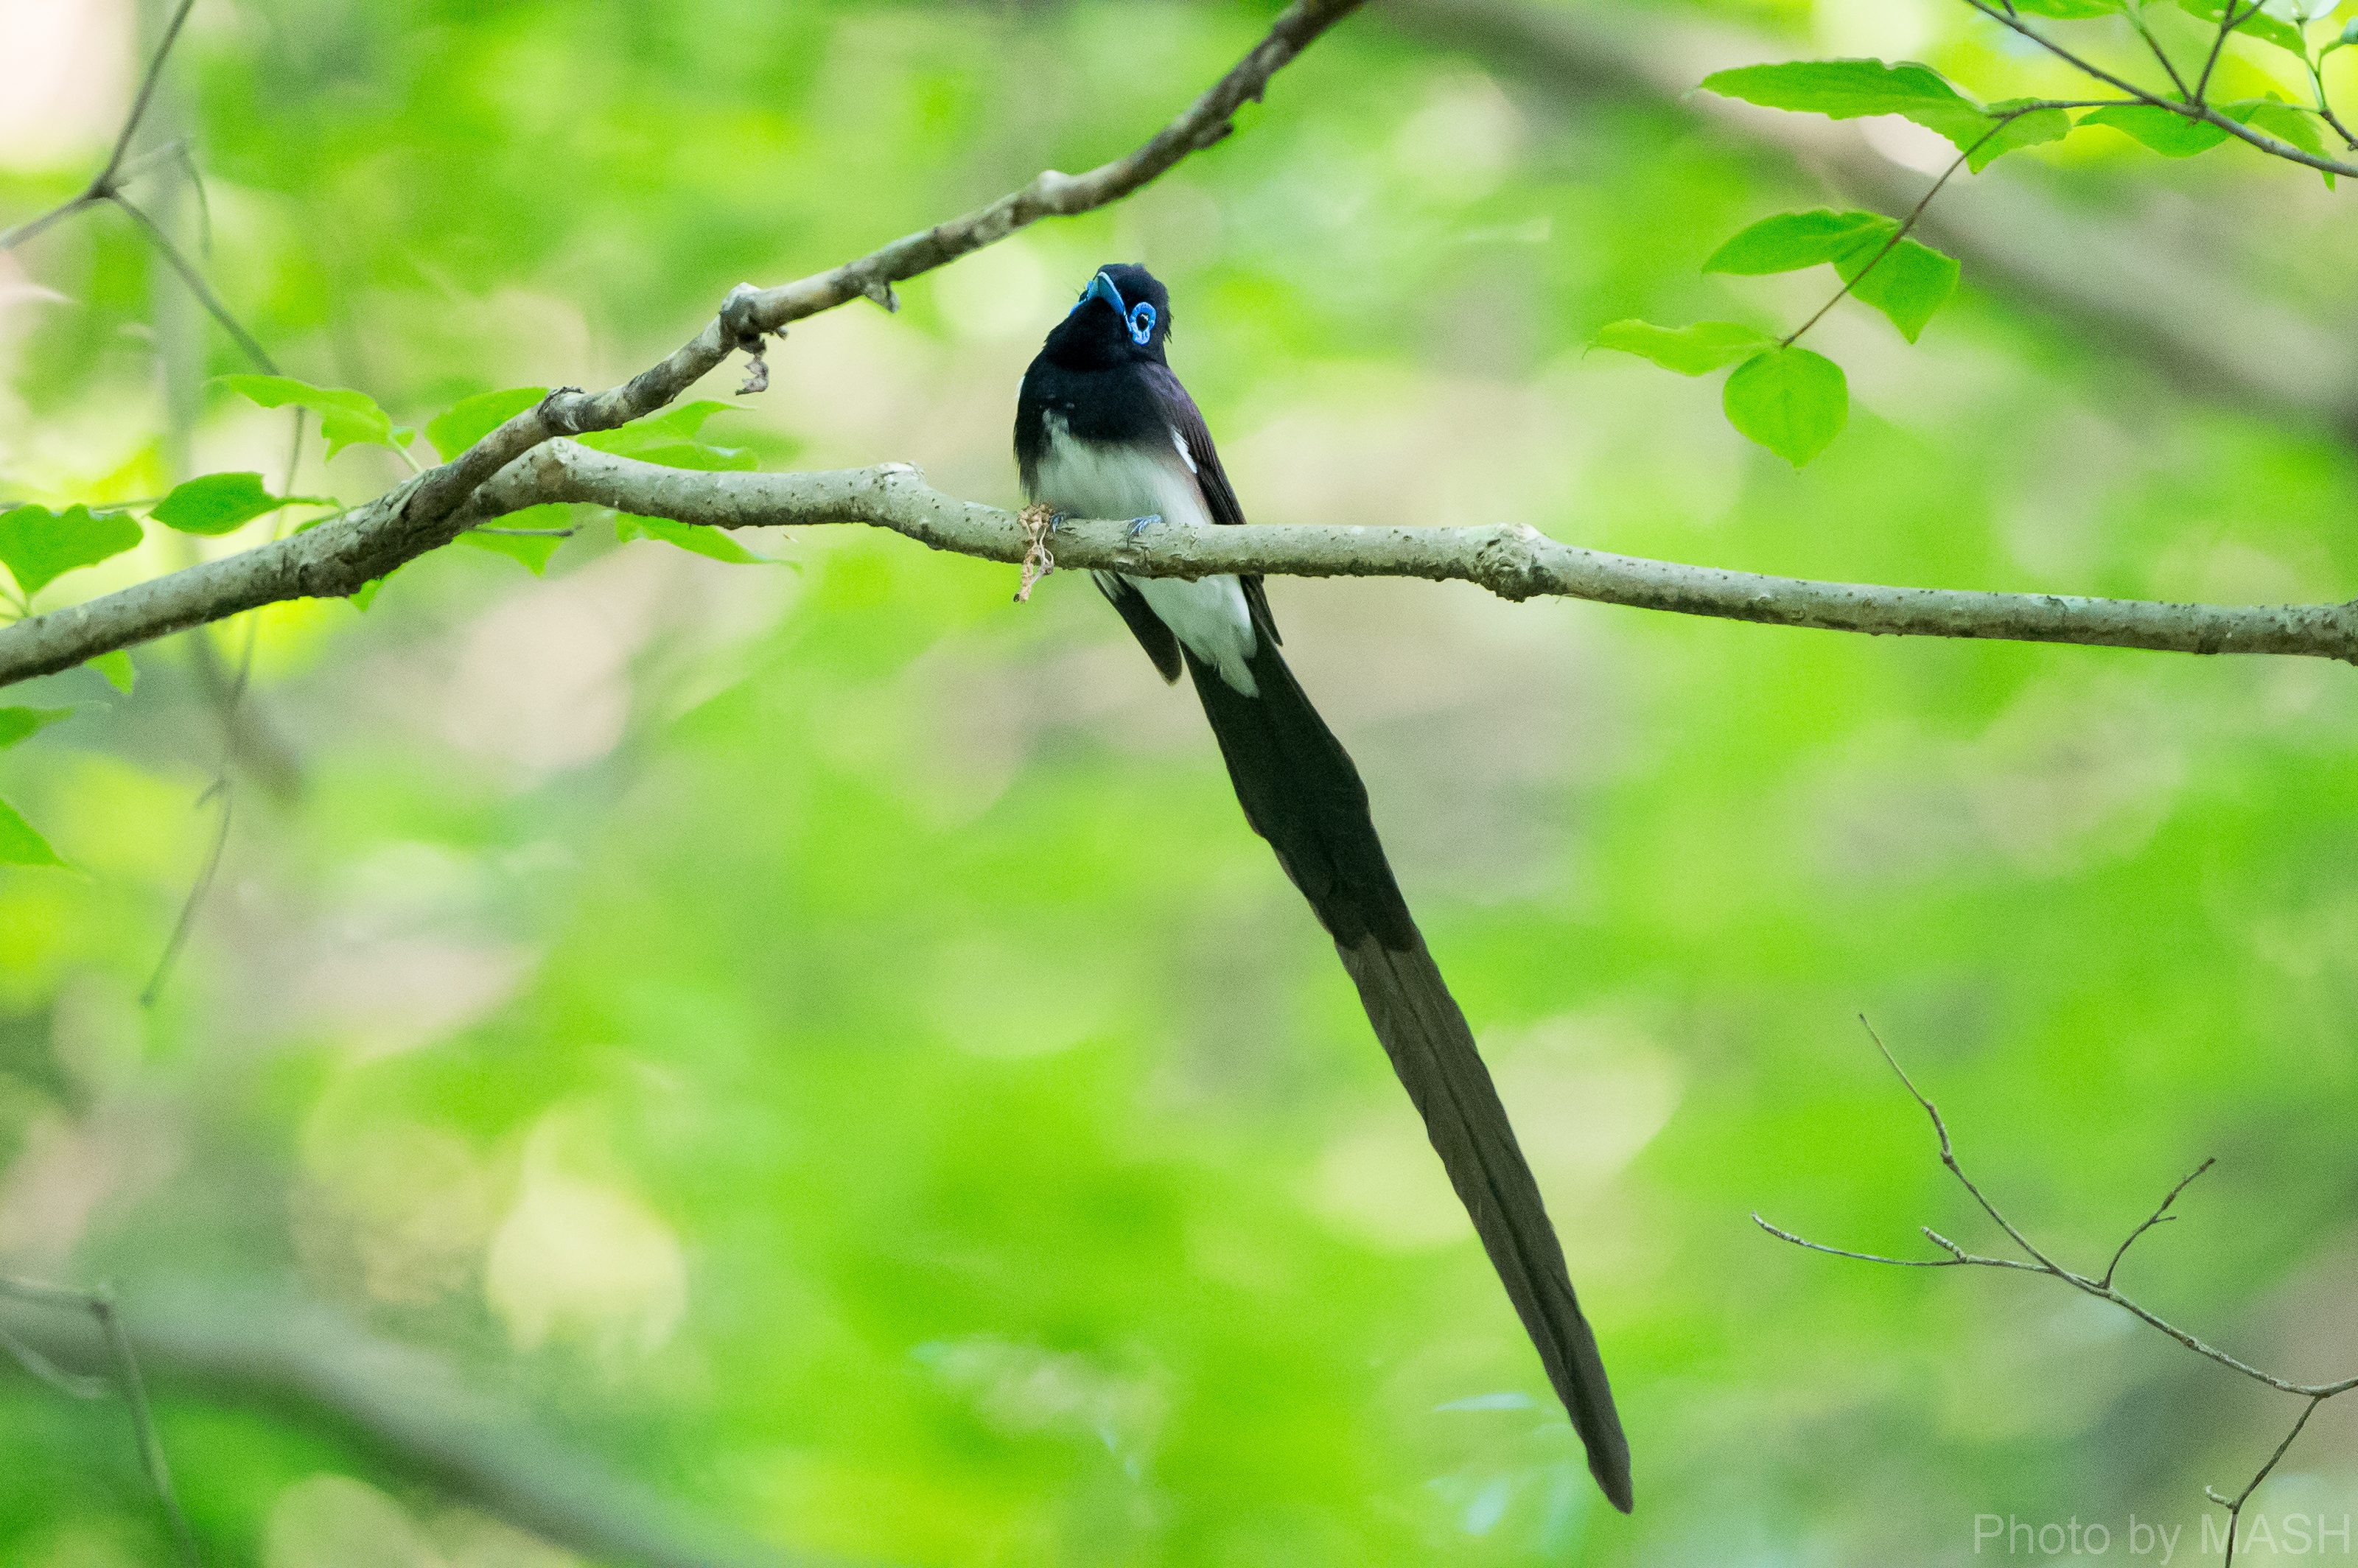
(736, 318)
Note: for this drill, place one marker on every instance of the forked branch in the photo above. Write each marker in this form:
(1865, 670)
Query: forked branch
(100, 1306)
(2036, 1261)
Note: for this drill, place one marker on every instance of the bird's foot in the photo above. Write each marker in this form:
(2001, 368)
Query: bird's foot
(1141, 525)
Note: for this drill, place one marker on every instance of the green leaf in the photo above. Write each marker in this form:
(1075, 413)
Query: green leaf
(39, 545)
(120, 672)
(347, 418)
(670, 439)
(19, 845)
(2070, 10)
(1790, 241)
(1689, 350)
(532, 550)
(2286, 122)
(1908, 285)
(15, 723)
(217, 502)
(1790, 400)
(2170, 133)
(2260, 25)
(466, 422)
(698, 537)
(1848, 89)
(2030, 130)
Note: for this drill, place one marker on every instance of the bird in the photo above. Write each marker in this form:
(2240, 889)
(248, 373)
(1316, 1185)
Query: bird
(1103, 428)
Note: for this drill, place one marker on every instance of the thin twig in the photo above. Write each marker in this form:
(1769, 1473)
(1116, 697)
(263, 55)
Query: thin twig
(196, 177)
(2158, 1216)
(1949, 1154)
(176, 150)
(2136, 20)
(100, 1306)
(218, 789)
(143, 1420)
(105, 185)
(2325, 110)
(2202, 111)
(2203, 327)
(11, 238)
(198, 286)
(2228, 21)
(2235, 1508)
(74, 1384)
(1910, 221)
(2010, 20)
(1863, 1257)
(2042, 1264)
(224, 783)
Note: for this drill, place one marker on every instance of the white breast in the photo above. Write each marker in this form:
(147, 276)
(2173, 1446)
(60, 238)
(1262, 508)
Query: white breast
(1087, 479)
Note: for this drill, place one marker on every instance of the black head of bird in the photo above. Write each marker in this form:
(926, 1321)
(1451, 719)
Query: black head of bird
(1122, 316)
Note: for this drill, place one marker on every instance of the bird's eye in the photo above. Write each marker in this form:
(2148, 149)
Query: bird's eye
(1141, 323)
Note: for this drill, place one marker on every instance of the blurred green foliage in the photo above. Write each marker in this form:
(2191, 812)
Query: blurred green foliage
(821, 1038)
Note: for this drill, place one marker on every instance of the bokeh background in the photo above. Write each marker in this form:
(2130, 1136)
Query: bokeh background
(809, 1054)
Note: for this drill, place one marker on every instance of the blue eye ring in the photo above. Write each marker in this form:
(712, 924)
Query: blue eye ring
(1141, 323)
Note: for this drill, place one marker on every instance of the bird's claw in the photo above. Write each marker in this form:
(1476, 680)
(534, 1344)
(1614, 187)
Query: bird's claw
(1141, 525)
(1057, 520)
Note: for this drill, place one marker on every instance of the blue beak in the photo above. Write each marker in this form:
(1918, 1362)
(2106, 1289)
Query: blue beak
(1101, 288)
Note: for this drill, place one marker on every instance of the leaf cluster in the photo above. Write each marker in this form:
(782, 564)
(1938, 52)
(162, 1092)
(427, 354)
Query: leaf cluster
(40, 544)
(1794, 401)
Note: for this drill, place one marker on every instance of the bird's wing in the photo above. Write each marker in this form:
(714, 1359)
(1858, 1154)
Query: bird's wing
(1195, 442)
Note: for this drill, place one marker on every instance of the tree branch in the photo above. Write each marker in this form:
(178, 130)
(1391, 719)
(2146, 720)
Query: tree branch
(412, 1408)
(1512, 560)
(2191, 111)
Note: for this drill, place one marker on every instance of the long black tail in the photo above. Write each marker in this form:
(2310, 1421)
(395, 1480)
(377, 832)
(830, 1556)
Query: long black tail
(1301, 793)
